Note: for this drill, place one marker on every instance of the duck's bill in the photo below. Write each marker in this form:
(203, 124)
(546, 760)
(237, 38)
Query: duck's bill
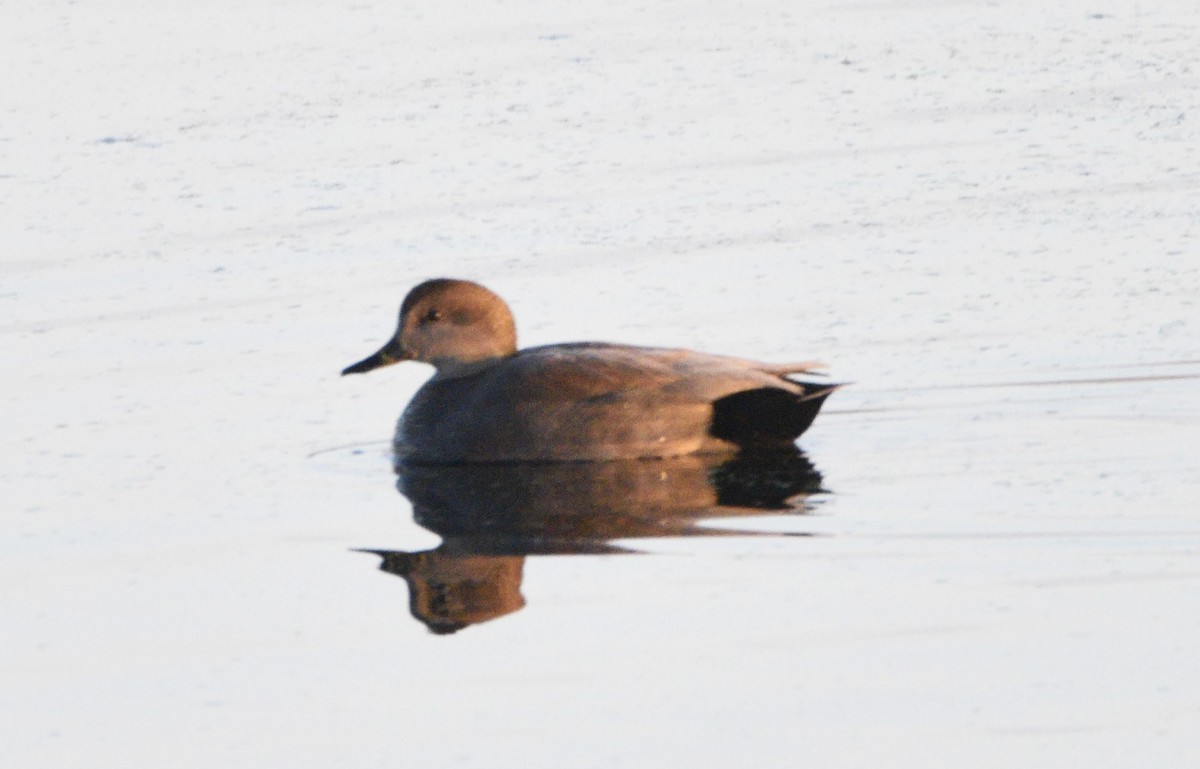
(384, 357)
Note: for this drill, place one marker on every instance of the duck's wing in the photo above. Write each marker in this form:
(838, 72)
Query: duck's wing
(744, 402)
(586, 371)
(583, 371)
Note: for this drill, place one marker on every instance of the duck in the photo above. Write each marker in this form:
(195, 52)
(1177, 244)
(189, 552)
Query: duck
(490, 402)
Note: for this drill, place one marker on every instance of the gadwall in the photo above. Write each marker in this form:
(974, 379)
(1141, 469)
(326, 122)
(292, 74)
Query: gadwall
(587, 401)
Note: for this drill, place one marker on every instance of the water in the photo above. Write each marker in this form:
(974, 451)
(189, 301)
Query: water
(981, 216)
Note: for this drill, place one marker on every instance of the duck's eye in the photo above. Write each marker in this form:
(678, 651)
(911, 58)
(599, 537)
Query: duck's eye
(432, 316)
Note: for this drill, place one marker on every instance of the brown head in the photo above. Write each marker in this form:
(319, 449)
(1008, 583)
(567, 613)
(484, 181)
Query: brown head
(456, 325)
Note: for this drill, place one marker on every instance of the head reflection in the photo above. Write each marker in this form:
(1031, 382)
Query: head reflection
(490, 517)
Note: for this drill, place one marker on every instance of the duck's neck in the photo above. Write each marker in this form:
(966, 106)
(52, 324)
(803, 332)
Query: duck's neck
(456, 368)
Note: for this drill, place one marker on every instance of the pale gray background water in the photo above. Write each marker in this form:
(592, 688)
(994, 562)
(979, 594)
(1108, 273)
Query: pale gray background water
(982, 214)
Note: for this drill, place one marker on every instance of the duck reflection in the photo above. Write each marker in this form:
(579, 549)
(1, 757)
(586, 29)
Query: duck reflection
(492, 516)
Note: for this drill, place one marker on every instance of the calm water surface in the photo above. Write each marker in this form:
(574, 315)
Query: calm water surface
(982, 215)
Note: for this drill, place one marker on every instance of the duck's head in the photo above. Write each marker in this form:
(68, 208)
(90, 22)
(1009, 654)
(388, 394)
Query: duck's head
(456, 325)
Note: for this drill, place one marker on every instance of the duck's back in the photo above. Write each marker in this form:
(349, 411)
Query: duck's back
(590, 401)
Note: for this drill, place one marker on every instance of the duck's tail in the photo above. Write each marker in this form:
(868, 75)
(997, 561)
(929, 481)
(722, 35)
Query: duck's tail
(768, 416)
